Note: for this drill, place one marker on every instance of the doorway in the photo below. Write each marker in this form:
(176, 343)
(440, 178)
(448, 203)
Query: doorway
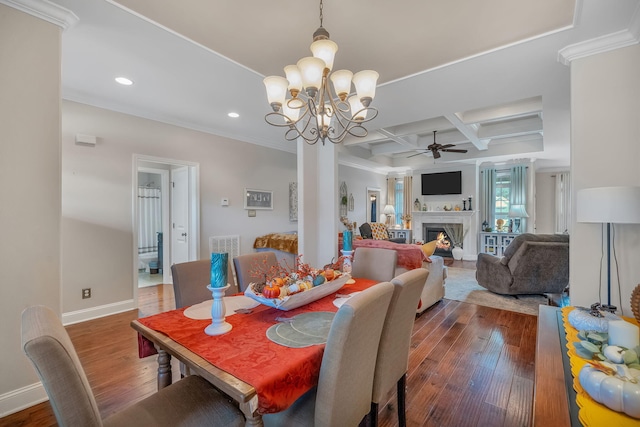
(177, 236)
(373, 204)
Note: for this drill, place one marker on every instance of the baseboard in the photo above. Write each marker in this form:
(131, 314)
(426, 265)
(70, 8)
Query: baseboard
(22, 398)
(97, 312)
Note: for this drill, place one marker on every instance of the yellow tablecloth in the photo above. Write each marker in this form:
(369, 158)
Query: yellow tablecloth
(591, 413)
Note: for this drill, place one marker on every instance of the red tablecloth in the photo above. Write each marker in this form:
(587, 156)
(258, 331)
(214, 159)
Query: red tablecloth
(409, 256)
(279, 374)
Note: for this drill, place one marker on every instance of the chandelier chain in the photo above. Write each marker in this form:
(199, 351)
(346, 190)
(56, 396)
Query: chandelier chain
(321, 15)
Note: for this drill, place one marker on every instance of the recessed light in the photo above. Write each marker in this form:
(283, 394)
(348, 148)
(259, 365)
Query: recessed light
(124, 81)
(233, 115)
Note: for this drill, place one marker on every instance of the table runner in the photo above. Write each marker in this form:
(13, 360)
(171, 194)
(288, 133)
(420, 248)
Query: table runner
(592, 413)
(279, 374)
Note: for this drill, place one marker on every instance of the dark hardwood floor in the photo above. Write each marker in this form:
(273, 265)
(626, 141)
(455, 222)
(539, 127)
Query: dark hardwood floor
(469, 365)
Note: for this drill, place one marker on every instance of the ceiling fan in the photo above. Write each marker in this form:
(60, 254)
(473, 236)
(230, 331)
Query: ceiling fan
(435, 148)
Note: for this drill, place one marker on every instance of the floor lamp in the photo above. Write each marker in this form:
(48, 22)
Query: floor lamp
(608, 205)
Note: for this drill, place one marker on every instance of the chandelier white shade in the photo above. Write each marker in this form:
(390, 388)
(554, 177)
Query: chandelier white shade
(313, 111)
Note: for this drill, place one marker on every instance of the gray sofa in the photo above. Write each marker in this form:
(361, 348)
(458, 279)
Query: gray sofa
(532, 264)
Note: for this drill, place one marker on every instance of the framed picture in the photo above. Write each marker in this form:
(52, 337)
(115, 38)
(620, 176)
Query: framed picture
(258, 199)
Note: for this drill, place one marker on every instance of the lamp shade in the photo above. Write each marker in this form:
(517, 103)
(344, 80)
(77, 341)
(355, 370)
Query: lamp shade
(389, 210)
(616, 205)
(276, 89)
(365, 82)
(325, 50)
(311, 71)
(293, 77)
(518, 211)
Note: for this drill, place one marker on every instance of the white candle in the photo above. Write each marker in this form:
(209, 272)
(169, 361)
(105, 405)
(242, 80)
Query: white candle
(623, 333)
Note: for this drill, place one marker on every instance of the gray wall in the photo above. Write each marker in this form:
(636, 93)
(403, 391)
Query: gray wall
(30, 189)
(545, 190)
(97, 239)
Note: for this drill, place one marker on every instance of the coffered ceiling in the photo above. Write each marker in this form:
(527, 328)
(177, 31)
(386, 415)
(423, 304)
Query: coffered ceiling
(485, 75)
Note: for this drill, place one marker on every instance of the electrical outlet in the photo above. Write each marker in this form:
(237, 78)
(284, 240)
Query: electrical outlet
(86, 293)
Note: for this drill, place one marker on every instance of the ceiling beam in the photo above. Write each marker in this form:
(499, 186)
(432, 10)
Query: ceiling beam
(469, 131)
(510, 128)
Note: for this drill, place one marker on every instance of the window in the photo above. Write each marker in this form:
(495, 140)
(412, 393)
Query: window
(399, 201)
(503, 193)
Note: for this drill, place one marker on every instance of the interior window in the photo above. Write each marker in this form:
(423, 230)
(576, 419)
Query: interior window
(502, 191)
(399, 201)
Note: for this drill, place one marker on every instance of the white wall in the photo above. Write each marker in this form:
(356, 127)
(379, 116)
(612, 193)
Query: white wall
(97, 188)
(605, 151)
(30, 190)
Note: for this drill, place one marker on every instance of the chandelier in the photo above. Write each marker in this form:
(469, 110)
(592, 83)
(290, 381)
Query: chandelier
(316, 112)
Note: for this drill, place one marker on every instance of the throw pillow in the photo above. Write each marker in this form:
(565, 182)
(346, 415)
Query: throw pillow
(379, 231)
(429, 248)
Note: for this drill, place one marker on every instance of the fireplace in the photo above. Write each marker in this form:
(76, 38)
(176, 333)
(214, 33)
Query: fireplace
(437, 232)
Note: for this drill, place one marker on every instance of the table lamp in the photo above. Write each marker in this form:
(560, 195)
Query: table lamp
(390, 212)
(608, 205)
(517, 212)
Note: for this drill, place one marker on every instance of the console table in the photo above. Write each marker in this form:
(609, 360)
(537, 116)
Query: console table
(400, 233)
(553, 395)
(495, 243)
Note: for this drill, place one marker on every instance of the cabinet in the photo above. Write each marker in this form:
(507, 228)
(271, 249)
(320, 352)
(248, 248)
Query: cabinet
(495, 243)
(397, 234)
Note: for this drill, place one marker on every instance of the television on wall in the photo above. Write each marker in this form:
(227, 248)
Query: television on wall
(441, 183)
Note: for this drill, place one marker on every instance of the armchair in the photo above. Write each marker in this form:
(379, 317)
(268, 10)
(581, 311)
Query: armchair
(532, 264)
(377, 231)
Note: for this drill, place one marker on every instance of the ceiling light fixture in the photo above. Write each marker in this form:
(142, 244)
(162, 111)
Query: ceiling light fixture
(233, 115)
(318, 113)
(124, 81)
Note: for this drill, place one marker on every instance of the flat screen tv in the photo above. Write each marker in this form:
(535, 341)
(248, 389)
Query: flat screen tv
(435, 184)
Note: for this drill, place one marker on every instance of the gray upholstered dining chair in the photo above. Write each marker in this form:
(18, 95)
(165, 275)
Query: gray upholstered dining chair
(374, 263)
(343, 394)
(190, 280)
(246, 264)
(191, 401)
(393, 352)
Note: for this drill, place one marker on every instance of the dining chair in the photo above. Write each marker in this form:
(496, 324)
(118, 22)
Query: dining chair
(343, 394)
(374, 264)
(190, 280)
(246, 266)
(393, 352)
(191, 401)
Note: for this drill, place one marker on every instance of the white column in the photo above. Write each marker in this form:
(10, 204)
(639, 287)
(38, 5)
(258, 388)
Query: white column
(317, 202)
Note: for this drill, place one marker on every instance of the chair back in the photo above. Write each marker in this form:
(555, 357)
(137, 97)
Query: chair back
(374, 264)
(393, 352)
(190, 280)
(246, 266)
(346, 376)
(48, 346)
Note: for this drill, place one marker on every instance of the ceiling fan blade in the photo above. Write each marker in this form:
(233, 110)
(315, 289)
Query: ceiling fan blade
(447, 146)
(417, 154)
(451, 150)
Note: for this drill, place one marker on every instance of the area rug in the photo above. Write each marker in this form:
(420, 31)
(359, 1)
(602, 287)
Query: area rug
(461, 285)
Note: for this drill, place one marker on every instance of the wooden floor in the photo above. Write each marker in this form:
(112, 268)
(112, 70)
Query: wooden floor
(469, 365)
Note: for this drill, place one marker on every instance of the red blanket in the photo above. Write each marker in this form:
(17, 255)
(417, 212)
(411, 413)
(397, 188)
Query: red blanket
(279, 374)
(409, 256)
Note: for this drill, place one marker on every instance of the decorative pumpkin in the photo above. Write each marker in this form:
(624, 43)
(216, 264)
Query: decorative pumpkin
(615, 393)
(271, 291)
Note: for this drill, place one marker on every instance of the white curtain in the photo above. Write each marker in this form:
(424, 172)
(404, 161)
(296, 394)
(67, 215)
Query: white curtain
(150, 214)
(563, 202)
(488, 197)
(518, 191)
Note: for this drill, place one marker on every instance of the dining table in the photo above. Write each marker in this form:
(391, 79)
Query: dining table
(261, 375)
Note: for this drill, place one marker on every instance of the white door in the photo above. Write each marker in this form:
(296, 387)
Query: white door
(179, 215)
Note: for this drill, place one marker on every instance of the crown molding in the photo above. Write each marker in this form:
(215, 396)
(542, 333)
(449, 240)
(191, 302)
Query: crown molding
(603, 44)
(45, 10)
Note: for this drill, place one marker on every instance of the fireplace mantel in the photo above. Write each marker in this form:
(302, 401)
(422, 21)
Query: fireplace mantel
(416, 214)
(466, 218)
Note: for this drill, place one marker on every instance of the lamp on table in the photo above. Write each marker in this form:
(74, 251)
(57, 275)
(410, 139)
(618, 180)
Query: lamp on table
(517, 212)
(390, 213)
(609, 205)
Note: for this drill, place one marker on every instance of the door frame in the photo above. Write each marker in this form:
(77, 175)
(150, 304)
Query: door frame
(142, 161)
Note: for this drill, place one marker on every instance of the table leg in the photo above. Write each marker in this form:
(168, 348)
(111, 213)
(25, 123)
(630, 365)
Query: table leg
(253, 419)
(164, 369)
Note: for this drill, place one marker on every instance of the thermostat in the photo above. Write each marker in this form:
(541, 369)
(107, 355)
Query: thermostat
(224, 201)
